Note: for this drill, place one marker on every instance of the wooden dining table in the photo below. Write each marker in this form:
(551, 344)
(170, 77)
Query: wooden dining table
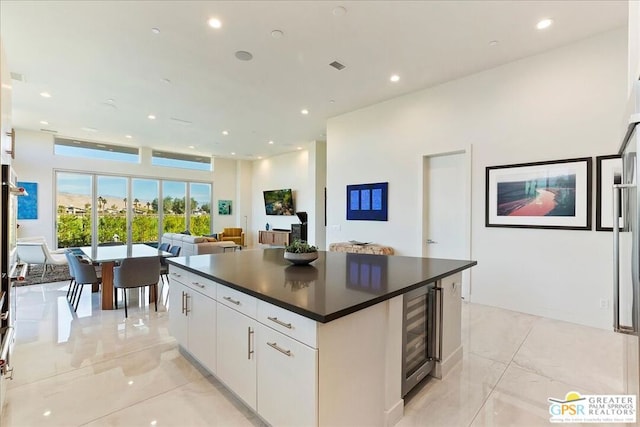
(108, 256)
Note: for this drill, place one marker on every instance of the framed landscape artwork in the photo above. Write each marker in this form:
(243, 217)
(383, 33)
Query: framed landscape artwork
(553, 194)
(608, 173)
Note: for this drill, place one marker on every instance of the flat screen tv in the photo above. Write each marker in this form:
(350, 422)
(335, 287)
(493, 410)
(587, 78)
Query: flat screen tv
(279, 202)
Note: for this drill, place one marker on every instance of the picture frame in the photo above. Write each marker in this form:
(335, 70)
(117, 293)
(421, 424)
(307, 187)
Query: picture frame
(608, 173)
(367, 202)
(28, 205)
(552, 194)
(224, 207)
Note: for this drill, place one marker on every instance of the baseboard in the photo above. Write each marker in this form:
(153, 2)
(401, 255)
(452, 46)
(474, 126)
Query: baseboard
(445, 366)
(393, 415)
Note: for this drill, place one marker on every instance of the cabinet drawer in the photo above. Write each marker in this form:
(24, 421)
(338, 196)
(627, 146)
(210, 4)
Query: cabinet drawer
(245, 304)
(291, 324)
(287, 385)
(178, 274)
(202, 284)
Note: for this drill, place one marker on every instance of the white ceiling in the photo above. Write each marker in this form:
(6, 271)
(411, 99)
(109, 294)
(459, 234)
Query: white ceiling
(85, 53)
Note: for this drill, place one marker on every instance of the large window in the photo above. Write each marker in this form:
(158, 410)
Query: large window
(144, 225)
(114, 209)
(94, 150)
(74, 207)
(200, 219)
(174, 195)
(176, 160)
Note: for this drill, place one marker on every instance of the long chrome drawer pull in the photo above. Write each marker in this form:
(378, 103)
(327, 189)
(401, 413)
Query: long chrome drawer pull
(186, 304)
(280, 322)
(183, 302)
(232, 300)
(280, 349)
(249, 349)
(198, 284)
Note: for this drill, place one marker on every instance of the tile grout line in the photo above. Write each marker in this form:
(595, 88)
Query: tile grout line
(503, 372)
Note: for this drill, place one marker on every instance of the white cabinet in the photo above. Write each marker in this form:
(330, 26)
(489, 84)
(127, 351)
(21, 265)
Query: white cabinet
(236, 353)
(193, 319)
(287, 379)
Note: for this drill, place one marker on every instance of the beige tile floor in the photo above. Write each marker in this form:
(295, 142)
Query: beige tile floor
(97, 368)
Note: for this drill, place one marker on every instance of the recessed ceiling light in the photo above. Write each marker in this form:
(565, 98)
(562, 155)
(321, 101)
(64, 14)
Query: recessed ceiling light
(244, 55)
(304, 111)
(110, 101)
(128, 136)
(277, 34)
(45, 94)
(214, 23)
(339, 11)
(225, 132)
(192, 146)
(544, 23)
(233, 153)
(299, 148)
(151, 117)
(394, 78)
(44, 122)
(271, 142)
(155, 30)
(46, 413)
(494, 43)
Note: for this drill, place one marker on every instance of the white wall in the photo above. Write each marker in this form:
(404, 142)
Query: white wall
(35, 162)
(292, 170)
(561, 104)
(634, 41)
(5, 108)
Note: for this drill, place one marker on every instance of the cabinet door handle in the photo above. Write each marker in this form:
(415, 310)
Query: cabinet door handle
(249, 349)
(182, 302)
(186, 304)
(232, 300)
(280, 349)
(198, 285)
(280, 322)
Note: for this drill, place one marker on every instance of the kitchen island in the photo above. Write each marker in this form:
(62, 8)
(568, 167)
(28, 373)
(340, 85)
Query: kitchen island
(309, 345)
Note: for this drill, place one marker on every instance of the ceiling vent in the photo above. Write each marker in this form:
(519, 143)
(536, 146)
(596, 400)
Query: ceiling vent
(338, 66)
(49, 130)
(17, 77)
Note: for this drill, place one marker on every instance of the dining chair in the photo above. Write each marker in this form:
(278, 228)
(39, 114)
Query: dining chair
(68, 254)
(84, 274)
(137, 273)
(164, 247)
(164, 267)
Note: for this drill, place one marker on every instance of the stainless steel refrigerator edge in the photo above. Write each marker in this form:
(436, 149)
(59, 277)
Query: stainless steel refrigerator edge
(626, 240)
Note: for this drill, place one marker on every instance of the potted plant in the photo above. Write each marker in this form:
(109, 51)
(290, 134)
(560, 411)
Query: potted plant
(299, 252)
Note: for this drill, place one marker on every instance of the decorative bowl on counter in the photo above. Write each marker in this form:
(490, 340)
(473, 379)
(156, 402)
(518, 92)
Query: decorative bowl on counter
(300, 258)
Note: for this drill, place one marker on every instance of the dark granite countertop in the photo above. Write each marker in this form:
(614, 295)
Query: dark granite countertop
(334, 285)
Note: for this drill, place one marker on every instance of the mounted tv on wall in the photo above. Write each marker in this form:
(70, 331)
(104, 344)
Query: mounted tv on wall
(279, 202)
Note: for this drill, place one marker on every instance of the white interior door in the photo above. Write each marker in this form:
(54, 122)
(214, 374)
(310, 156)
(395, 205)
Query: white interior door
(447, 209)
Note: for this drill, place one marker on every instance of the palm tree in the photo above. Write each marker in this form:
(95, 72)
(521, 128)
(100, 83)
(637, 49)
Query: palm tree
(148, 206)
(125, 203)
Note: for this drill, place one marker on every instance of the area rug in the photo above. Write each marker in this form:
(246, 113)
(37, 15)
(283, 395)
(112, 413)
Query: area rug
(55, 273)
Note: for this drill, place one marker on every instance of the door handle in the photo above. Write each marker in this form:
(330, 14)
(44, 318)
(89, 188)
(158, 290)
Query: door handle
(632, 330)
